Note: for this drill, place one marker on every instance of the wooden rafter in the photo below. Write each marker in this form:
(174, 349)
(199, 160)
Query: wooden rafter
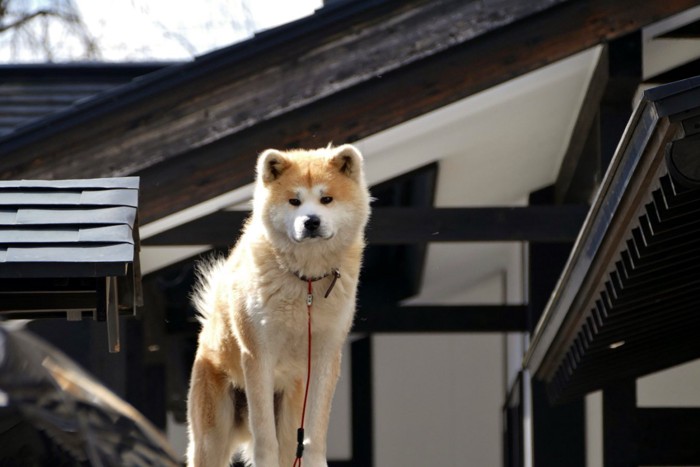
(407, 225)
(446, 318)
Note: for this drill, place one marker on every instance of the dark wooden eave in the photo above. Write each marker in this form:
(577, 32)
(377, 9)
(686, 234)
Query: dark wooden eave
(626, 304)
(192, 131)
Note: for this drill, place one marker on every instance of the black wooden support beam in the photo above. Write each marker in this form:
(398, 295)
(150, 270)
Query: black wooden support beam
(407, 225)
(635, 435)
(580, 172)
(362, 402)
(619, 425)
(668, 436)
(441, 318)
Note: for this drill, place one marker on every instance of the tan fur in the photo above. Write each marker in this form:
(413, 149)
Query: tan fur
(254, 319)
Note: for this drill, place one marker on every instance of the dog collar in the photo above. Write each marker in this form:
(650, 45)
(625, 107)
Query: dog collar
(334, 272)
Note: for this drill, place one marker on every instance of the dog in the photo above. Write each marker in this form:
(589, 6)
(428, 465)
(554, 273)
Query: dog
(305, 236)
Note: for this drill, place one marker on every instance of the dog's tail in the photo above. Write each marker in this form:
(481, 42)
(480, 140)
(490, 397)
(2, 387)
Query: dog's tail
(203, 295)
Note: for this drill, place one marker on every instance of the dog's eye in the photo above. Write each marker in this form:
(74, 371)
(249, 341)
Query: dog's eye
(295, 202)
(326, 199)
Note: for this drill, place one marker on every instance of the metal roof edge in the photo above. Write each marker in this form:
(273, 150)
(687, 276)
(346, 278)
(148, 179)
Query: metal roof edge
(673, 98)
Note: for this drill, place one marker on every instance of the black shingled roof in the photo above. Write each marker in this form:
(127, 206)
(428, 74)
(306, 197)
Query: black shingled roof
(29, 93)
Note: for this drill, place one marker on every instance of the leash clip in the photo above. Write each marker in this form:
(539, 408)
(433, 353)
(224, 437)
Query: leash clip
(300, 443)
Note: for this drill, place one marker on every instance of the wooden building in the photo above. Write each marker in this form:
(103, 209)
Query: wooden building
(487, 127)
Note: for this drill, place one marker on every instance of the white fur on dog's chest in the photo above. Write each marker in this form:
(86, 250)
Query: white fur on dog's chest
(285, 318)
(281, 324)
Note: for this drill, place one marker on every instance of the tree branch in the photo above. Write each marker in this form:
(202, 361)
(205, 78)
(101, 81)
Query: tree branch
(26, 19)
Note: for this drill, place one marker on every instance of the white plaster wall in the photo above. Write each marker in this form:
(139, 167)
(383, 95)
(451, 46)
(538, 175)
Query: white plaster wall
(594, 430)
(439, 397)
(678, 386)
(438, 400)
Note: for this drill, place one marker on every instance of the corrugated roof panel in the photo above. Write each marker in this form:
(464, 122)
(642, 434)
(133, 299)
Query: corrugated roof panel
(113, 233)
(115, 253)
(8, 217)
(73, 234)
(112, 197)
(44, 197)
(23, 198)
(14, 236)
(118, 182)
(58, 216)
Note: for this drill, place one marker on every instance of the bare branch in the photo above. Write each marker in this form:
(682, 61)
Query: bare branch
(23, 20)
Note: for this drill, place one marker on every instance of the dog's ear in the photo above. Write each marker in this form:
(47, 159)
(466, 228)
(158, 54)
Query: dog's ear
(271, 164)
(348, 160)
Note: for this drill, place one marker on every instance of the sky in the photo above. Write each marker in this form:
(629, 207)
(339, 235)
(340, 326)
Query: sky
(142, 30)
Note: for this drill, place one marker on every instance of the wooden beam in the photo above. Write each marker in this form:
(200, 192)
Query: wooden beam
(362, 376)
(419, 191)
(625, 75)
(667, 436)
(441, 318)
(580, 173)
(40, 301)
(620, 429)
(647, 436)
(193, 132)
(398, 225)
(603, 116)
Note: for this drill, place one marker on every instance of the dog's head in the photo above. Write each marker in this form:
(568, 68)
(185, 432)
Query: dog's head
(312, 196)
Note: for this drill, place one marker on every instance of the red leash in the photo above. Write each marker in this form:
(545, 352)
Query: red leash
(309, 302)
(300, 431)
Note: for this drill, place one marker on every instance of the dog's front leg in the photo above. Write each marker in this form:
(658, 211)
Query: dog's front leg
(258, 373)
(325, 371)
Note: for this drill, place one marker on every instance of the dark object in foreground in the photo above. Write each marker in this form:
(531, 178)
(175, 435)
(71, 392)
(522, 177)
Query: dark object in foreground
(53, 413)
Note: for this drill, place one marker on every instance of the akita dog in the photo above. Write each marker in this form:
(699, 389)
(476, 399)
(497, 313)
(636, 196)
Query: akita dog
(304, 238)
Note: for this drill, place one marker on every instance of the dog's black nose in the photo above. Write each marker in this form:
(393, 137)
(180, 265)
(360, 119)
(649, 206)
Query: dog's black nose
(312, 223)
